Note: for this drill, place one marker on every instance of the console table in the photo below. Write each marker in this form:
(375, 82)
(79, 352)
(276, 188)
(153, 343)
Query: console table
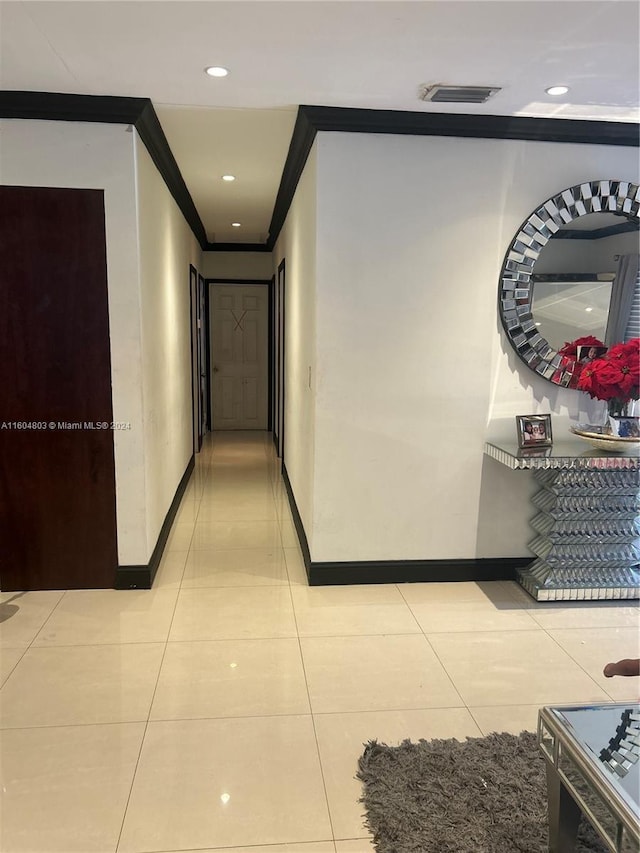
(592, 756)
(586, 523)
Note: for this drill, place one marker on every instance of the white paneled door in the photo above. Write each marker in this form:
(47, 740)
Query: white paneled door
(239, 356)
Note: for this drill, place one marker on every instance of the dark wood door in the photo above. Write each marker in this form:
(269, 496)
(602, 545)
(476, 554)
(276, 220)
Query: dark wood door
(57, 473)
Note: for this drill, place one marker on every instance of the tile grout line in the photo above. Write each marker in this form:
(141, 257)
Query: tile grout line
(313, 721)
(311, 714)
(578, 664)
(148, 720)
(437, 656)
(38, 632)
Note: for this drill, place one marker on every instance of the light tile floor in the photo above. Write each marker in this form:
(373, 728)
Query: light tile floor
(225, 709)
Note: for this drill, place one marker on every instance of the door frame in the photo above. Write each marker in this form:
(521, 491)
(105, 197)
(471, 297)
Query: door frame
(269, 284)
(195, 368)
(281, 366)
(203, 362)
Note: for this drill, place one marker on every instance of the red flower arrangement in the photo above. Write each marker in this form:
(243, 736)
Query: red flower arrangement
(569, 354)
(613, 376)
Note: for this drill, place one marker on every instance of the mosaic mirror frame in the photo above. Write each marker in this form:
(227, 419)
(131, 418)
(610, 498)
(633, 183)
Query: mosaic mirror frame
(516, 278)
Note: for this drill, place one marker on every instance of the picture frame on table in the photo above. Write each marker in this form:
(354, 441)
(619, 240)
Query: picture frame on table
(534, 431)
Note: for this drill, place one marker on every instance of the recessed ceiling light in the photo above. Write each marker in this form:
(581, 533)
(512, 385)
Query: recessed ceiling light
(588, 309)
(235, 224)
(557, 90)
(538, 324)
(216, 71)
(228, 177)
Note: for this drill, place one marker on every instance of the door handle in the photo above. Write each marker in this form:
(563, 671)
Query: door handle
(215, 370)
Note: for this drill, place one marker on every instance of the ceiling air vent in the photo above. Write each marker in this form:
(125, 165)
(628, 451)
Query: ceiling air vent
(440, 93)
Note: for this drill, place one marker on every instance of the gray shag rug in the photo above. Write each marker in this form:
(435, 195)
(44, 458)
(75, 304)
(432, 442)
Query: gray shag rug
(484, 795)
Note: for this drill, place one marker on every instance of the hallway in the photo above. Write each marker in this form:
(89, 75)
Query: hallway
(225, 709)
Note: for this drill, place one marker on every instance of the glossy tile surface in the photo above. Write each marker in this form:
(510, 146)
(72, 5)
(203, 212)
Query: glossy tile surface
(171, 570)
(295, 567)
(482, 593)
(232, 678)
(355, 845)
(312, 847)
(506, 718)
(439, 617)
(598, 646)
(8, 660)
(513, 667)
(224, 535)
(374, 673)
(336, 611)
(605, 614)
(81, 685)
(86, 617)
(239, 567)
(226, 783)
(233, 614)
(65, 790)
(238, 507)
(225, 710)
(22, 615)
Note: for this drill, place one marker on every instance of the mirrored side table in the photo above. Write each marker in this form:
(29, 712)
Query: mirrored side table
(592, 754)
(586, 521)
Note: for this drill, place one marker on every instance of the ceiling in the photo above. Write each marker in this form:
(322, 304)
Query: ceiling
(349, 53)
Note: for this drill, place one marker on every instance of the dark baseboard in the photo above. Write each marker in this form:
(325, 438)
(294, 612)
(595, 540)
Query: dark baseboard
(141, 577)
(416, 571)
(297, 521)
(400, 571)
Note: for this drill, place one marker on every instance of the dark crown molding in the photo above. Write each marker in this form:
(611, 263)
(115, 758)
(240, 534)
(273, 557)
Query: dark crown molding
(237, 247)
(311, 119)
(152, 135)
(107, 109)
(140, 113)
(304, 132)
(54, 106)
(351, 120)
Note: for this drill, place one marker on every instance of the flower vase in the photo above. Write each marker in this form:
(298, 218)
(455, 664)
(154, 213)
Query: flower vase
(624, 418)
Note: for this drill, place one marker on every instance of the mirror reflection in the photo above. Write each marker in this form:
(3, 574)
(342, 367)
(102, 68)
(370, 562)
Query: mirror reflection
(574, 275)
(572, 270)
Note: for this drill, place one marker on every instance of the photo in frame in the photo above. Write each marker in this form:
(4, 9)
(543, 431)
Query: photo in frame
(534, 431)
(585, 354)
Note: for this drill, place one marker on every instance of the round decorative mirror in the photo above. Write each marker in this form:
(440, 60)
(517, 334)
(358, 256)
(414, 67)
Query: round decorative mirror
(565, 269)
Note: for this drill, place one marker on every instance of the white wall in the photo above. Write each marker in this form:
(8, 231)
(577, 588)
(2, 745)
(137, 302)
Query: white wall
(413, 370)
(102, 156)
(233, 265)
(166, 247)
(296, 245)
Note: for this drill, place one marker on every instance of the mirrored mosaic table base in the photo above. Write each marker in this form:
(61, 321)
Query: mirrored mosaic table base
(586, 522)
(592, 754)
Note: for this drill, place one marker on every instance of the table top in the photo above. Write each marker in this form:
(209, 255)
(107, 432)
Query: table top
(570, 452)
(609, 736)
